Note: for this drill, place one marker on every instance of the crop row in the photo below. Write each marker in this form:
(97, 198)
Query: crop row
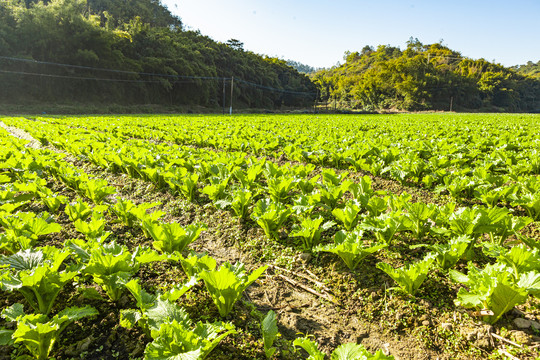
(40, 273)
(270, 195)
(493, 164)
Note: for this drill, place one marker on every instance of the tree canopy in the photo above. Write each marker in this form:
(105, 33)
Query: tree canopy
(130, 53)
(426, 77)
(530, 69)
(137, 52)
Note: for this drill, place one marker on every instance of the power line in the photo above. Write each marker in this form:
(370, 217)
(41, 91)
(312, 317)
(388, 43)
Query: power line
(274, 89)
(186, 81)
(190, 77)
(77, 77)
(110, 70)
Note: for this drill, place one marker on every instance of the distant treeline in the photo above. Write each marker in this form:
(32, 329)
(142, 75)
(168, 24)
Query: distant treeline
(427, 77)
(531, 69)
(137, 52)
(302, 68)
(140, 38)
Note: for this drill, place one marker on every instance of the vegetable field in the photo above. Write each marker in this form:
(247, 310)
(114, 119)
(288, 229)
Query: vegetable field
(270, 237)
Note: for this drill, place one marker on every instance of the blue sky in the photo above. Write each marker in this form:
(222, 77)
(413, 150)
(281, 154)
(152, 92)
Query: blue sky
(318, 32)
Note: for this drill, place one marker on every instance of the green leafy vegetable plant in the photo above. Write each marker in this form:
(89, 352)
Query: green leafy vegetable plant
(475, 221)
(488, 195)
(96, 190)
(494, 288)
(330, 178)
(11, 243)
(38, 332)
(227, 283)
(37, 276)
(459, 186)
(531, 203)
(154, 310)
(398, 202)
(530, 242)
(507, 226)
(270, 216)
(521, 260)
(280, 187)
(348, 215)
(129, 213)
(384, 226)
(330, 195)
(112, 265)
(172, 237)
(270, 332)
(183, 181)
(350, 247)
(362, 189)
(54, 202)
(349, 351)
(176, 340)
(216, 191)
(196, 263)
(409, 278)
(416, 218)
(152, 174)
(10, 207)
(272, 170)
(239, 202)
(376, 206)
(248, 178)
(141, 214)
(93, 229)
(304, 205)
(309, 231)
(307, 185)
(78, 210)
(24, 228)
(447, 255)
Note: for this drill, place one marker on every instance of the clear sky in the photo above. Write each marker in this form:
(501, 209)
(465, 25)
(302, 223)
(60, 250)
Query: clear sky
(318, 32)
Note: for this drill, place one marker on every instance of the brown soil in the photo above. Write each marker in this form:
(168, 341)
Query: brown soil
(363, 312)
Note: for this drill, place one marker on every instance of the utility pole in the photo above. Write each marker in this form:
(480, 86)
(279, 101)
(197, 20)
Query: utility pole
(223, 104)
(232, 87)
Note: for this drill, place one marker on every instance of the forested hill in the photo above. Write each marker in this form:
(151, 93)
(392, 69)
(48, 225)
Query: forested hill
(137, 52)
(426, 77)
(119, 46)
(531, 69)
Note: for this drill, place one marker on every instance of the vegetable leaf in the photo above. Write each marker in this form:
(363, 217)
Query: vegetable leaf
(227, 284)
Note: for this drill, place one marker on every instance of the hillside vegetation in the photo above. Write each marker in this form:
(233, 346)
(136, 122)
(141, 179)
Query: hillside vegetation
(99, 52)
(426, 77)
(139, 37)
(530, 69)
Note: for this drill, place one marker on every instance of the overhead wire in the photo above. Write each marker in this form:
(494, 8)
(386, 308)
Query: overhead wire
(171, 76)
(77, 77)
(110, 70)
